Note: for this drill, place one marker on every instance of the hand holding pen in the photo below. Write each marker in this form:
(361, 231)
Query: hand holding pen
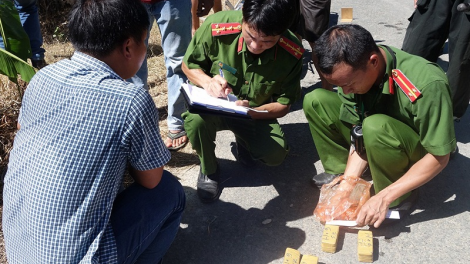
(217, 87)
(223, 93)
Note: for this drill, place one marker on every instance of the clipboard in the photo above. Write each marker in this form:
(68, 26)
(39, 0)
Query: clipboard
(199, 102)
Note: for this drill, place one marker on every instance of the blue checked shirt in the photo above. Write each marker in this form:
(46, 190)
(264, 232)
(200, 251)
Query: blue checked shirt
(80, 125)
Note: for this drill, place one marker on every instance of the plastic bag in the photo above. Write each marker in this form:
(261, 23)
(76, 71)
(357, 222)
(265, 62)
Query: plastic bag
(342, 199)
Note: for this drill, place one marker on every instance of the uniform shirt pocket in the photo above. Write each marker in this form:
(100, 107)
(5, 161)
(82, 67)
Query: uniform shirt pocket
(231, 78)
(264, 92)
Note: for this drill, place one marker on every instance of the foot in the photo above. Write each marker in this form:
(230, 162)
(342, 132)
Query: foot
(208, 187)
(176, 139)
(38, 64)
(454, 152)
(242, 154)
(322, 178)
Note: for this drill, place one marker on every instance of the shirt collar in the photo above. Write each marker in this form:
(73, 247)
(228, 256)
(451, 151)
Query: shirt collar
(93, 63)
(385, 85)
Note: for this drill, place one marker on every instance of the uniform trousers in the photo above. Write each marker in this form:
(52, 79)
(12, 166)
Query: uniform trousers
(264, 139)
(392, 147)
(432, 23)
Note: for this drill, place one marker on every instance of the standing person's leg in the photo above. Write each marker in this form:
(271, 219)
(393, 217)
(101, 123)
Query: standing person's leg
(392, 148)
(140, 78)
(145, 221)
(315, 18)
(175, 28)
(458, 72)
(428, 28)
(217, 6)
(29, 17)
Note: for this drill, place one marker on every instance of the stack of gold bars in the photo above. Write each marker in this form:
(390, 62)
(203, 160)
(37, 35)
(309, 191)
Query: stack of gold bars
(365, 246)
(329, 238)
(292, 256)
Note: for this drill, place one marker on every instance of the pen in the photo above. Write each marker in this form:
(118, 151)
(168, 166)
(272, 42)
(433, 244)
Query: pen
(222, 75)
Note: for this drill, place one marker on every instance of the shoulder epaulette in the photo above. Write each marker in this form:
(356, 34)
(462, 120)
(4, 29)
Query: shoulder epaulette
(291, 47)
(220, 29)
(405, 85)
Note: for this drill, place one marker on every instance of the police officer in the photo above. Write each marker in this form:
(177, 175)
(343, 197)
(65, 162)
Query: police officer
(431, 24)
(252, 54)
(402, 104)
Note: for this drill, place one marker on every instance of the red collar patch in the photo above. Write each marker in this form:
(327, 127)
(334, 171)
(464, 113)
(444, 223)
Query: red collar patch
(240, 44)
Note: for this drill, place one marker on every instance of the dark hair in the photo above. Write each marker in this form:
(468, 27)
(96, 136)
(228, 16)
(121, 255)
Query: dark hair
(97, 27)
(350, 44)
(270, 17)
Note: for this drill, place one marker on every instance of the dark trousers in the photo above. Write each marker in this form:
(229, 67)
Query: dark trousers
(432, 23)
(145, 221)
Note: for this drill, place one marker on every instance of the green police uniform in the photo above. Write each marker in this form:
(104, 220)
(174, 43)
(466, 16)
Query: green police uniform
(273, 76)
(397, 132)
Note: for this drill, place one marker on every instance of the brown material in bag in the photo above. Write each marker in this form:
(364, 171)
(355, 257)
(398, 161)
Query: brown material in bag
(342, 199)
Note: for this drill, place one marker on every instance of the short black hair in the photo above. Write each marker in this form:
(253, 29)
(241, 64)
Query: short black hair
(350, 44)
(270, 17)
(97, 27)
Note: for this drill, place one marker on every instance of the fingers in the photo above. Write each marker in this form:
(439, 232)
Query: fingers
(379, 221)
(244, 103)
(371, 214)
(218, 87)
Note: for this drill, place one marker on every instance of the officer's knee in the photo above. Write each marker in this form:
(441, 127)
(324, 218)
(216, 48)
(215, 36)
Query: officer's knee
(193, 122)
(374, 124)
(316, 98)
(373, 127)
(311, 99)
(275, 157)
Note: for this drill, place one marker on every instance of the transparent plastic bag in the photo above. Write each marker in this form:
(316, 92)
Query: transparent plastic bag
(342, 199)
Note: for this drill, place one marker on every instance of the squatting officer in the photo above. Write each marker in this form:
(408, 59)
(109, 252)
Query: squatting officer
(403, 104)
(260, 61)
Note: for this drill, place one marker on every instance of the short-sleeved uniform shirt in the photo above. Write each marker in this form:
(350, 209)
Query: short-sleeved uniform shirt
(81, 124)
(272, 77)
(430, 116)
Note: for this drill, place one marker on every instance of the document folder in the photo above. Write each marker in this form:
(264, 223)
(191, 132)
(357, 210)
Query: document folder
(198, 101)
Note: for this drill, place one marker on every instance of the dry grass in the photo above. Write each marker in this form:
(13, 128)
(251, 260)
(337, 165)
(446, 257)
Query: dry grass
(53, 16)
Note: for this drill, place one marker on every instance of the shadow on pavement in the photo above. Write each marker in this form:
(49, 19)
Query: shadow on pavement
(225, 232)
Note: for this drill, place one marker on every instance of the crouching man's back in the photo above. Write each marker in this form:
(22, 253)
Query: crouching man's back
(81, 125)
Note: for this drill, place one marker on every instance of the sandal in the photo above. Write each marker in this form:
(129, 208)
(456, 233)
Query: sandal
(174, 136)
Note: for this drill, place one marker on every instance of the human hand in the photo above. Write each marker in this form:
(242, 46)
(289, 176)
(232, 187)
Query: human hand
(218, 87)
(244, 103)
(373, 212)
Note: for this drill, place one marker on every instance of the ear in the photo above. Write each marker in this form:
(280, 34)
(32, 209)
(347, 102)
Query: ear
(127, 48)
(374, 60)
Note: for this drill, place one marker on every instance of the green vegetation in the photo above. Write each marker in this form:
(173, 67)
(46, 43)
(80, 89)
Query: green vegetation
(17, 48)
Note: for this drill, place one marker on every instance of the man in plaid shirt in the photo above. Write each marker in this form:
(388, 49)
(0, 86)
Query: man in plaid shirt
(81, 124)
